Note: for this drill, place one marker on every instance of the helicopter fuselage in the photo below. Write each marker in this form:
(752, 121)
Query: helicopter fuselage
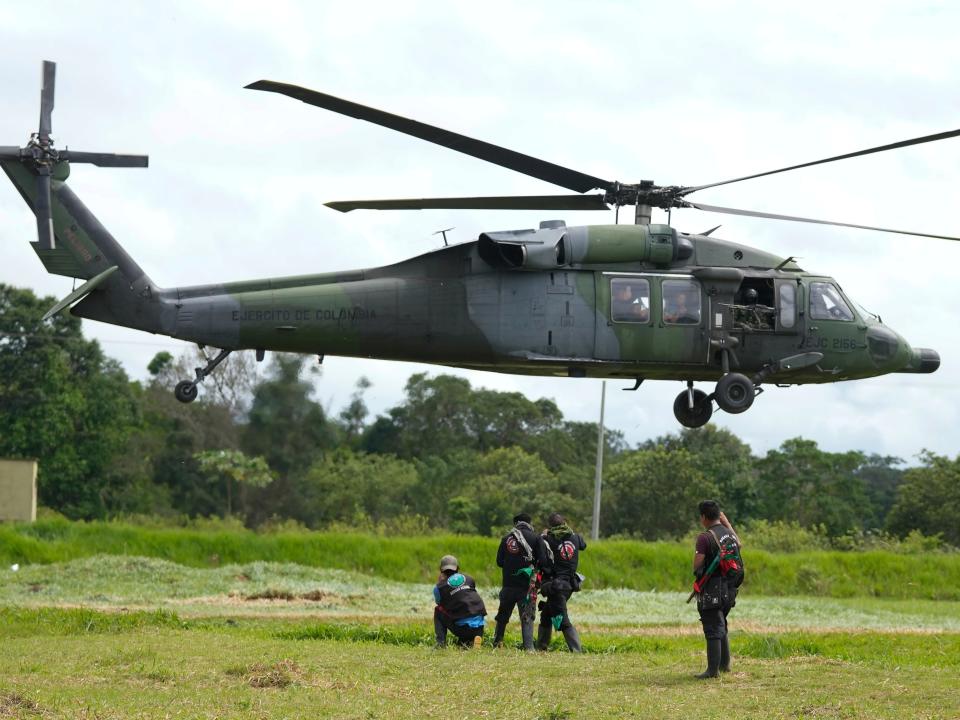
(463, 307)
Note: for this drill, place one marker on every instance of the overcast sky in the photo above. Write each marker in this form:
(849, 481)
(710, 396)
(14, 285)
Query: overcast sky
(686, 94)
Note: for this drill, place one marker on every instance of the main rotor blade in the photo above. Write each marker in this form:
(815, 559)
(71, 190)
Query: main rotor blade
(105, 159)
(526, 164)
(771, 216)
(858, 153)
(46, 99)
(9, 152)
(44, 217)
(507, 202)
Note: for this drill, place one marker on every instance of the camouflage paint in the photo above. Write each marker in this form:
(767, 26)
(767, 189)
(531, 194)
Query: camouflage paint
(460, 306)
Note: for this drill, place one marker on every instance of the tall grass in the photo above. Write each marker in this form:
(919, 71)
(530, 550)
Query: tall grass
(630, 564)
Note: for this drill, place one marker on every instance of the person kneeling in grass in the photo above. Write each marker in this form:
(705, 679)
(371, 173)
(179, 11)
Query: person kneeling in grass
(460, 608)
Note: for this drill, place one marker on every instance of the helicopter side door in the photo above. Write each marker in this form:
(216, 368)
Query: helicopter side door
(650, 318)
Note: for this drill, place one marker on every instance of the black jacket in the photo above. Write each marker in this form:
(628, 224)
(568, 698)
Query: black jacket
(566, 554)
(458, 597)
(511, 556)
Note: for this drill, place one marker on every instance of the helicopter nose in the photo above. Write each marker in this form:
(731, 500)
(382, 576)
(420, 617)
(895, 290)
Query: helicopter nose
(922, 360)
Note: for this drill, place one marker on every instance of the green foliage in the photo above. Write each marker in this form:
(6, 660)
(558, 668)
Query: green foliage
(799, 482)
(784, 537)
(160, 362)
(928, 499)
(607, 564)
(23, 622)
(288, 428)
(723, 458)
(654, 493)
(63, 402)
(234, 467)
(500, 484)
(347, 486)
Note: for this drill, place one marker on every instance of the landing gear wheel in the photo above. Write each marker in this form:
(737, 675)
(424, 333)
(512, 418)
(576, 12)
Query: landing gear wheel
(735, 393)
(185, 391)
(699, 415)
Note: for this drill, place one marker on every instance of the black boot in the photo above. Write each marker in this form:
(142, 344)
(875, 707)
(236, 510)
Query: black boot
(498, 632)
(725, 654)
(572, 637)
(526, 631)
(713, 659)
(543, 636)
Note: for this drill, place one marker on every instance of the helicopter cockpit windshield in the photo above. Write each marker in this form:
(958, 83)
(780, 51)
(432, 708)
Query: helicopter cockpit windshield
(826, 303)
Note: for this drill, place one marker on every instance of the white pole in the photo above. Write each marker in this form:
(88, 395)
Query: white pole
(598, 477)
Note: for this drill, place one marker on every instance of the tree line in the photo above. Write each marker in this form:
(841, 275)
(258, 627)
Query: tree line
(448, 456)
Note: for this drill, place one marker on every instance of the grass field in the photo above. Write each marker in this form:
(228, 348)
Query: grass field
(85, 664)
(635, 565)
(90, 630)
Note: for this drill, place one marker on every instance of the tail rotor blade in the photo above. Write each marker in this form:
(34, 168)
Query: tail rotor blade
(105, 159)
(46, 99)
(42, 210)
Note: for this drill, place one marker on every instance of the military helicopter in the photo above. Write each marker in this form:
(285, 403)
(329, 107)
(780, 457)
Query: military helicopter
(637, 301)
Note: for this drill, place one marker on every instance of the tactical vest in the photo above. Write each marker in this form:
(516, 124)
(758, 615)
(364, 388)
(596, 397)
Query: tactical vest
(459, 597)
(512, 554)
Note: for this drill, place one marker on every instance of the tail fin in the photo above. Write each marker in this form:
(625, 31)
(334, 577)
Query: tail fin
(85, 249)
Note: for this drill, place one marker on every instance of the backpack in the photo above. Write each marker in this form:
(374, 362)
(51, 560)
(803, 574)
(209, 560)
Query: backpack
(731, 562)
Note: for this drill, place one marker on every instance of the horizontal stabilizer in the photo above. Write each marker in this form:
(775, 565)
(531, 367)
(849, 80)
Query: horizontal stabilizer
(80, 293)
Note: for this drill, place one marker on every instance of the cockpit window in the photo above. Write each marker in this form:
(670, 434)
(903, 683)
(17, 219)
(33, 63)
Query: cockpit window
(681, 302)
(827, 304)
(630, 300)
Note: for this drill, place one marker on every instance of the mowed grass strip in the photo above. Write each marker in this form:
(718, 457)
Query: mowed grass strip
(278, 589)
(634, 565)
(239, 671)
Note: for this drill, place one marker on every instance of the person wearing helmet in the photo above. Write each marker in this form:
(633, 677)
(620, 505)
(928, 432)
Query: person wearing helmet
(459, 608)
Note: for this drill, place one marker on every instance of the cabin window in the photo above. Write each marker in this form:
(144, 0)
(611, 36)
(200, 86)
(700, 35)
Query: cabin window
(753, 305)
(630, 300)
(681, 302)
(788, 305)
(826, 303)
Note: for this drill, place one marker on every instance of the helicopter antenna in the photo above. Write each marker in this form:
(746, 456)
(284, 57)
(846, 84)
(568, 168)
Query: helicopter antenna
(444, 233)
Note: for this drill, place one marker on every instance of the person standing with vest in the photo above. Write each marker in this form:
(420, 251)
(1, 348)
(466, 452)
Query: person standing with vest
(521, 555)
(717, 598)
(460, 608)
(561, 580)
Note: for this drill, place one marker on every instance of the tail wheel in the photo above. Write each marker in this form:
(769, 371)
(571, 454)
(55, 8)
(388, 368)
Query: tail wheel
(185, 391)
(735, 393)
(696, 416)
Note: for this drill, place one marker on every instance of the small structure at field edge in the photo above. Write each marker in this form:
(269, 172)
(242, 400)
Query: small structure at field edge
(18, 490)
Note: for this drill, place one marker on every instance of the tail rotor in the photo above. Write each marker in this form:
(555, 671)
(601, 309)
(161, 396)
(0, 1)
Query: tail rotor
(42, 158)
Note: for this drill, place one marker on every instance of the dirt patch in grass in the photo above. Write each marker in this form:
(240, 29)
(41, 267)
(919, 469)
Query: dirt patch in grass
(272, 594)
(14, 705)
(280, 674)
